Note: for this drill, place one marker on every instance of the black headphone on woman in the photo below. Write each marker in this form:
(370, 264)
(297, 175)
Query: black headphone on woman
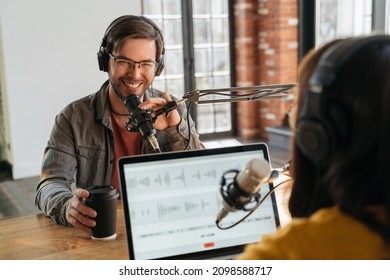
(103, 56)
(317, 136)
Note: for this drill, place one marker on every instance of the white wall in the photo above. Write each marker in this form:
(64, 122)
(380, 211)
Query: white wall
(48, 59)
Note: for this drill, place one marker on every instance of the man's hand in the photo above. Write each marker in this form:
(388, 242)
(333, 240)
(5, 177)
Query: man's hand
(78, 214)
(162, 121)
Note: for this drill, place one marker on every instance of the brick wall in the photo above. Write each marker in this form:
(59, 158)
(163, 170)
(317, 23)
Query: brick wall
(266, 34)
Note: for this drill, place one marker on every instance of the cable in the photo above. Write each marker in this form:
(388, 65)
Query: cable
(189, 127)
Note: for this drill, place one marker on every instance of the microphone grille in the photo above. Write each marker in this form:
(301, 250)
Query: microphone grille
(257, 171)
(258, 168)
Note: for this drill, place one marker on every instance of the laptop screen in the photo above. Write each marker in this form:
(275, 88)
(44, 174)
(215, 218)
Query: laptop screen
(171, 201)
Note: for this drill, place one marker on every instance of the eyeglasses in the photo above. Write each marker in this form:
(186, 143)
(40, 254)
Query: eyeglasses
(144, 66)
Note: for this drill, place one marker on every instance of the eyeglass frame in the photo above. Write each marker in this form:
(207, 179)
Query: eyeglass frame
(131, 63)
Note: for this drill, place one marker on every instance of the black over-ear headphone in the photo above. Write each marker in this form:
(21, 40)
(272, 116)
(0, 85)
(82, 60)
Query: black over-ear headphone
(103, 56)
(316, 136)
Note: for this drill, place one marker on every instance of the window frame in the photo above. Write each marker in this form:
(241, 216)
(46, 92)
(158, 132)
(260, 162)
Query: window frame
(189, 63)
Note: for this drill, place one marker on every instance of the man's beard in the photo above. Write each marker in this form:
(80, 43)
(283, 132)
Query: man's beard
(121, 96)
(118, 93)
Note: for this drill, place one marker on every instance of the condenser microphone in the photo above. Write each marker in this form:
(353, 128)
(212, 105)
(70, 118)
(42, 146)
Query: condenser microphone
(141, 120)
(244, 187)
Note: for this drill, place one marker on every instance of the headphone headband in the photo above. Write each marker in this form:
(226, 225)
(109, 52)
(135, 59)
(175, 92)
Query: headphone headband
(103, 56)
(336, 57)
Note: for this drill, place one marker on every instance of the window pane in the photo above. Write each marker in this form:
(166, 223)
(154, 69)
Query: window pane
(219, 7)
(152, 7)
(205, 118)
(343, 19)
(203, 60)
(200, 7)
(220, 30)
(172, 32)
(202, 31)
(203, 82)
(222, 117)
(221, 81)
(159, 83)
(172, 7)
(175, 87)
(174, 62)
(221, 59)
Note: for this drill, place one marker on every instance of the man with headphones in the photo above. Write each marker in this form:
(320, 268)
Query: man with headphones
(340, 196)
(90, 134)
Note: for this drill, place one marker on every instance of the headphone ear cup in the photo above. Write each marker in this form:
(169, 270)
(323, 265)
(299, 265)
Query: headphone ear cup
(319, 134)
(314, 140)
(103, 59)
(160, 66)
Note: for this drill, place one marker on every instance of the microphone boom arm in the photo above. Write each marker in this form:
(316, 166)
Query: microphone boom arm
(258, 92)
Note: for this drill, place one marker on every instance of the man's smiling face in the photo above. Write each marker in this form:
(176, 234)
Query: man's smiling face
(127, 77)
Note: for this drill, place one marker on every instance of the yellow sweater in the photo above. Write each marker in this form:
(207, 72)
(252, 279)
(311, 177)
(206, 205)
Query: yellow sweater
(327, 234)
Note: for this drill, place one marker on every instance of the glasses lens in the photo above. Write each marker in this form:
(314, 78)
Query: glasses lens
(125, 62)
(147, 66)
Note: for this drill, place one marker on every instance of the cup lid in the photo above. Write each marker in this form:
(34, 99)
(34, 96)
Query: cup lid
(102, 192)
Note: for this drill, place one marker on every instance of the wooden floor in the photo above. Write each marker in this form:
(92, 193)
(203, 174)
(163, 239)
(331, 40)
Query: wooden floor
(17, 196)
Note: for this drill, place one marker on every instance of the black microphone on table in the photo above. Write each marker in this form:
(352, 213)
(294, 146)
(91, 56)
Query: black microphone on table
(142, 121)
(245, 186)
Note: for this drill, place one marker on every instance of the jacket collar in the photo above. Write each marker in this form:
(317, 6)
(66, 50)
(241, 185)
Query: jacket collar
(102, 108)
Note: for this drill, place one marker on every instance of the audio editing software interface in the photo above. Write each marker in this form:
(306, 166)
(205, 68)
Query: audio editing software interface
(174, 204)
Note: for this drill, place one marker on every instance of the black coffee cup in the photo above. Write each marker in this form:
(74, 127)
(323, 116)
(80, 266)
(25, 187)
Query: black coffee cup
(104, 200)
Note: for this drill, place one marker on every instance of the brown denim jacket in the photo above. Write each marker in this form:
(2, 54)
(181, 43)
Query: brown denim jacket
(81, 150)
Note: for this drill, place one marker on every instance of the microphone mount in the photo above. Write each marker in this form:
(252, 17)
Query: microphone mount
(275, 173)
(132, 123)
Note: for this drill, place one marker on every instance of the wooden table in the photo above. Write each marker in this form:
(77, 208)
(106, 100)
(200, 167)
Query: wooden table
(38, 237)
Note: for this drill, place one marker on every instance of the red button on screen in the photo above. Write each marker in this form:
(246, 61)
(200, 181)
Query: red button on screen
(209, 245)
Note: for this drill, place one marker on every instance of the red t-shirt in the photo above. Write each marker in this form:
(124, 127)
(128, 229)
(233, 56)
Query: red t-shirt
(125, 144)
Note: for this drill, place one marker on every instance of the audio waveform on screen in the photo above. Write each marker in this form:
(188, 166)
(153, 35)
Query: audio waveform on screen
(178, 178)
(157, 211)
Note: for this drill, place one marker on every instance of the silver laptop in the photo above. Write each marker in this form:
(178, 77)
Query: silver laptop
(171, 201)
